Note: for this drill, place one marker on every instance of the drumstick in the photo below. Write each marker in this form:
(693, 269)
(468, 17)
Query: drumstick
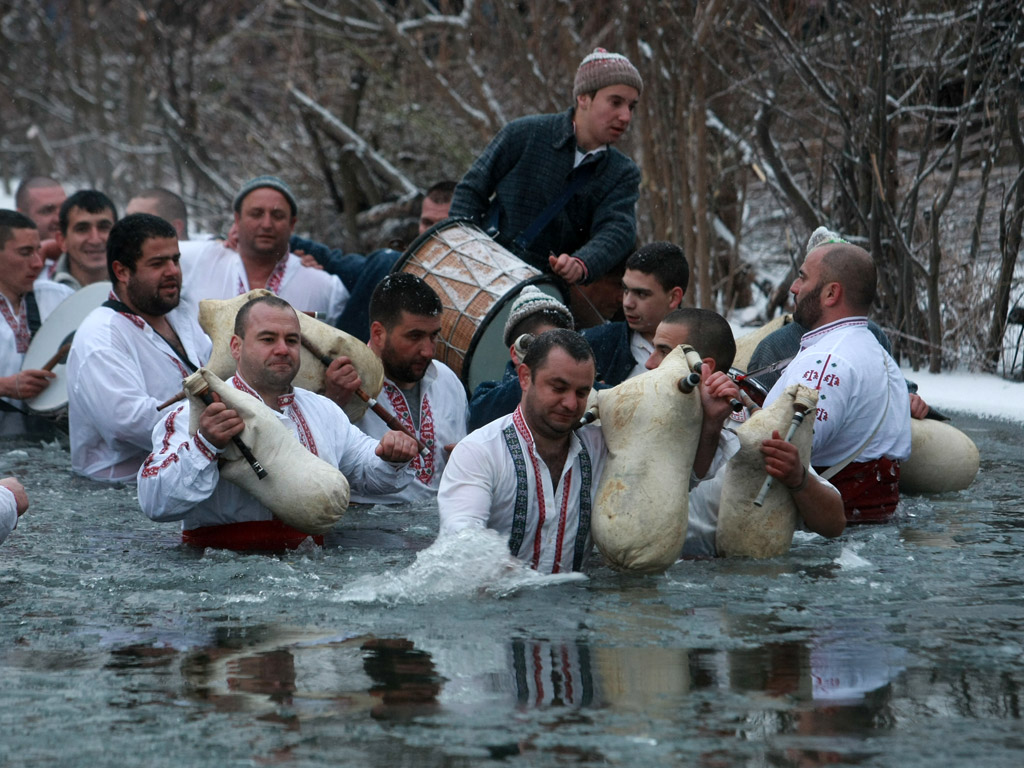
(60, 354)
(376, 407)
(171, 401)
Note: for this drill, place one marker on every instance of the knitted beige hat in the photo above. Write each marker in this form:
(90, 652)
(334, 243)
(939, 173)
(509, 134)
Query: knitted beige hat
(601, 69)
(822, 236)
(530, 301)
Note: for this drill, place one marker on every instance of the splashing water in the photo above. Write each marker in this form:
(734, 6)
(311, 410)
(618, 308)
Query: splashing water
(466, 563)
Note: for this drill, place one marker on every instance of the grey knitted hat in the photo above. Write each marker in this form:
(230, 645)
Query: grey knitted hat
(601, 69)
(529, 301)
(266, 181)
(822, 236)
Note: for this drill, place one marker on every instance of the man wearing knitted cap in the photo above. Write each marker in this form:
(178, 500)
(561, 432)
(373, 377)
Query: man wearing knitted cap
(533, 312)
(553, 188)
(265, 215)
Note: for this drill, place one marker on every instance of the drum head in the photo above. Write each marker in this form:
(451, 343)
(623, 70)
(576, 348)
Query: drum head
(59, 329)
(476, 279)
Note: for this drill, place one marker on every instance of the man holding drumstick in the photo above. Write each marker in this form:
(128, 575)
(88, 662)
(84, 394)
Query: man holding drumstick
(23, 306)
(553, 187)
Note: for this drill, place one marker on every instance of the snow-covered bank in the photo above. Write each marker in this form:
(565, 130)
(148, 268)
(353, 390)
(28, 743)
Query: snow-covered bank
(978, 393)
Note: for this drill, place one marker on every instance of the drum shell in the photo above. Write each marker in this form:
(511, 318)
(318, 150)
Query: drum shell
(476, 279)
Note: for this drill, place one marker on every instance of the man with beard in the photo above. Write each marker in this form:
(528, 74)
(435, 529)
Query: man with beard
(530, 475)
(265, 216)
(862, 428)
(23, 305)
(181, 481)
(131, 354)
(423, 394)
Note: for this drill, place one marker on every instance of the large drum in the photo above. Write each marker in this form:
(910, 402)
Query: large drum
(58, 330)
(477, 279)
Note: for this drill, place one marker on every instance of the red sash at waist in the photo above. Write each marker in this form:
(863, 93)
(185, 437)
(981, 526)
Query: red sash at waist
(870, 490)
(250, 536)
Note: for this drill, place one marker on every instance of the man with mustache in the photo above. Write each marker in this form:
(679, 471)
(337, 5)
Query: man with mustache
(131, 354)
(553, 188)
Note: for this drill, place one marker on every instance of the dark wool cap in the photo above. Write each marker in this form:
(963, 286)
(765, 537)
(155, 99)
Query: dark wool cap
(271, 182)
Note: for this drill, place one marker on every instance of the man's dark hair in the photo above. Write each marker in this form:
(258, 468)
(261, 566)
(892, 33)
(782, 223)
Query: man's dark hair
(90, 201)
(665, 261)
(853, 268)
(401, 292)
(124, 244)
(10, 221)
(168, 205)
(242, 318)
(27, 185)
(575, 346)
(441, 192)
(709, 333)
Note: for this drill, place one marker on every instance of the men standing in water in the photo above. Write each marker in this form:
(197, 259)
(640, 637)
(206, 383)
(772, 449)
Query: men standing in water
(424, 394)
(131, 354)
(817, 501)
(862, 430)
(24, 304)
(531, 475)
(553, 188)
(181, 481)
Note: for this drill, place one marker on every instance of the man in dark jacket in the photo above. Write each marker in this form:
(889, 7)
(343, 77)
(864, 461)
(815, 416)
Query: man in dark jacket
(563, 198)
(653, 285)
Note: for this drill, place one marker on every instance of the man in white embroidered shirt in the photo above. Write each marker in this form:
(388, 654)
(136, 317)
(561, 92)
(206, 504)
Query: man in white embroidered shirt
(863, 419)
(531, 475)
(181, 481)
(421, 392)
(130, 354)
(265, 216)
(23, 306)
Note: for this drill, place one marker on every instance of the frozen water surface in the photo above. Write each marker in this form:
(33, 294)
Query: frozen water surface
(899, 645)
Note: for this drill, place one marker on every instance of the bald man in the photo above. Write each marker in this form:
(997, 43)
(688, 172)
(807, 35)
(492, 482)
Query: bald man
(863, 419)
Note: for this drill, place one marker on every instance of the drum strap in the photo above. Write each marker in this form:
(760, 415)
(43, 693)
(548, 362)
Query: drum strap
(578, 178)
(32, 313)
(119, 306)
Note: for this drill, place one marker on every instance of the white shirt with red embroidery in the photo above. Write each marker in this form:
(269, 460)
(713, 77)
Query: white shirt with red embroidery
(8, 512)
(496, 479)
(119, 370)
(180, 479)
(14, 334)
(859, 387)
(211, 271)
(443, 408)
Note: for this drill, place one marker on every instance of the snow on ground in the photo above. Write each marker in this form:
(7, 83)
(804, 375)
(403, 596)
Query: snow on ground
(981, 394)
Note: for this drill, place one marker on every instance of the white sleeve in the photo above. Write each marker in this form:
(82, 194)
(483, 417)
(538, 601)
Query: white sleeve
(110, 375)
(180, 472)
(466, 493)
(366, 472)
(8, 512)
(337, 300)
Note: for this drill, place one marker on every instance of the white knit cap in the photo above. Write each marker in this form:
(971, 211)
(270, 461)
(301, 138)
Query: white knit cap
(529, 301)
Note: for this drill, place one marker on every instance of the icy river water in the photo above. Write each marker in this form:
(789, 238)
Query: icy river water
(896, 645)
